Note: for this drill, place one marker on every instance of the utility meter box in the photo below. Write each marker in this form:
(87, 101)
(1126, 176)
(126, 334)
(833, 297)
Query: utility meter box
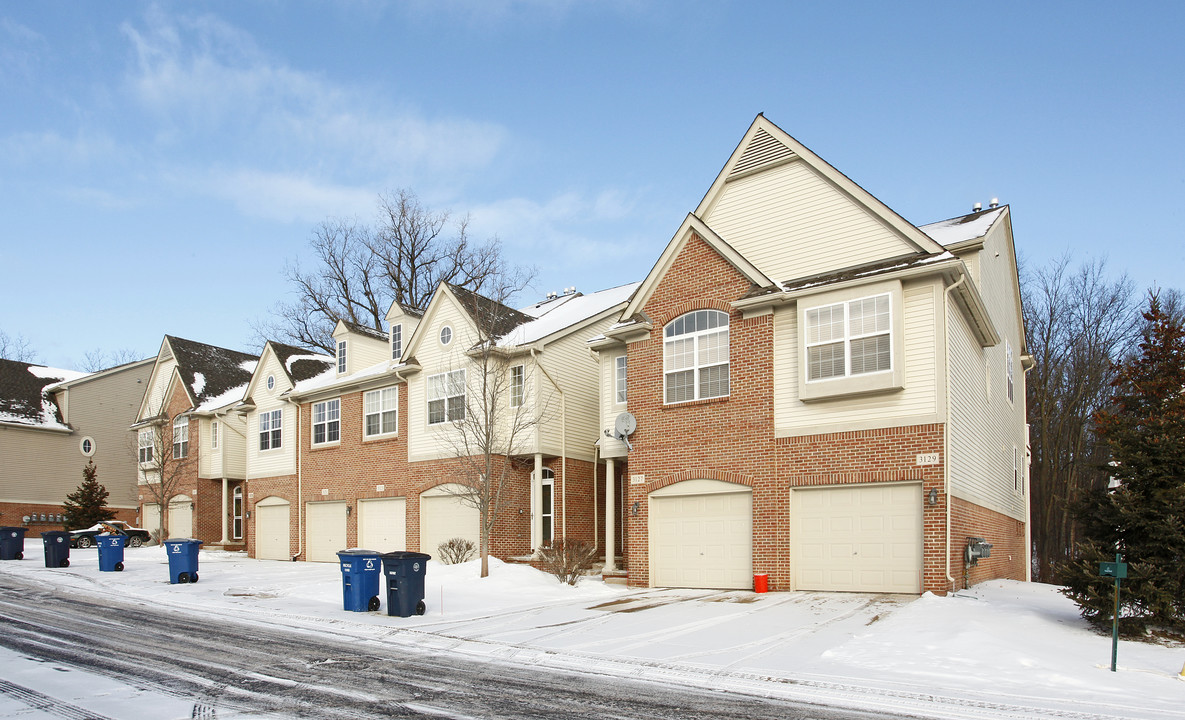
(977, 548)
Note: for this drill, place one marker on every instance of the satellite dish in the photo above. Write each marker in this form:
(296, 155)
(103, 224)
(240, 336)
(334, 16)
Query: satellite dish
(625, 425)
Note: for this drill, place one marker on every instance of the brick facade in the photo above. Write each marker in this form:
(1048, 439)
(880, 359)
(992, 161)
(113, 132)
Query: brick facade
(13, 514)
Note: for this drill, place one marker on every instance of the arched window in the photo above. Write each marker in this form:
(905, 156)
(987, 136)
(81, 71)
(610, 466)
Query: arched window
(695, 356)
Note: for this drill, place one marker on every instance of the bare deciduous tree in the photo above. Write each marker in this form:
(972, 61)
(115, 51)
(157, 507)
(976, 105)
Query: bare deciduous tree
(16, 347)
(99, 359)
(360, 270)
(1078, 323)
(499, 413)
(164, 464)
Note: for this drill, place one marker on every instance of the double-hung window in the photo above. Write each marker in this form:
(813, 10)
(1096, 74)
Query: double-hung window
(147, 442)
(341, 356)
(849, 338)
(181, 437)
(271, 429)
(620, 379)
(1008, 369)
(396, 341)
(381, 412)
(327, 421)
(213, 434)
(695, 356)
(517, 385)
(446, 397)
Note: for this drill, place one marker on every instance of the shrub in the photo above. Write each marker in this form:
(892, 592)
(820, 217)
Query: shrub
(568, 559)
(455, 550)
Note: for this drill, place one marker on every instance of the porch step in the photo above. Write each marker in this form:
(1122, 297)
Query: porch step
(616, 577)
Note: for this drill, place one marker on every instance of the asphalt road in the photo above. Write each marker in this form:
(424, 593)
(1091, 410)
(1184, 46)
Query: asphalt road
(245, 669)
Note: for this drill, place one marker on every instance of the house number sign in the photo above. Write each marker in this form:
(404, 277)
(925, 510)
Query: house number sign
(927, 458)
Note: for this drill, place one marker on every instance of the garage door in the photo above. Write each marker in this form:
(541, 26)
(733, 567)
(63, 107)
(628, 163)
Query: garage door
(382, 524)
(181, 517)
(151, 519)
(701, 535)
(326, 531)
(858, 539)
(273, 529)
(443, 517)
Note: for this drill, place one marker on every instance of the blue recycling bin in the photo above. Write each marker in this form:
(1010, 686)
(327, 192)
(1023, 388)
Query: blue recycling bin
(12, 543)
(360, 579)
(57, 548)
(405, 582)
(111, 553)
(183, 559)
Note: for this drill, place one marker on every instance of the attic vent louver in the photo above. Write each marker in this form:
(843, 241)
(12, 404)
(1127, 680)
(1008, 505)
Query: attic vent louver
(762, 150)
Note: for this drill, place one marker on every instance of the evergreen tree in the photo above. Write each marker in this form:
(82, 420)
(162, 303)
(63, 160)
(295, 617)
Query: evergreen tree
(1143, 515)
(88, 504)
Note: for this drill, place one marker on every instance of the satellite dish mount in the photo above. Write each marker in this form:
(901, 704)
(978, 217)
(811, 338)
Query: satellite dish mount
(624, 425)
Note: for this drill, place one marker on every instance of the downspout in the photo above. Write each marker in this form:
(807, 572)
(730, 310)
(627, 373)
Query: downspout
(950, 581)
(563, 446)
(596, 512)
(299, 486)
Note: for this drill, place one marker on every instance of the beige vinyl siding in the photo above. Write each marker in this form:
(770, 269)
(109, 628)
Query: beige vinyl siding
(233, 442)
(40, 466)
(609, 407)
(790, 222)
(984, 425)
(918, 402)
(209, 458)
(568, 361)
(429, 442)
(270, 463)
(160, 383)
(363, 352)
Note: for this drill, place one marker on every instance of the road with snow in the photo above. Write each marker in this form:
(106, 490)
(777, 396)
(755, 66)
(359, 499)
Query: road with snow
(231, 670)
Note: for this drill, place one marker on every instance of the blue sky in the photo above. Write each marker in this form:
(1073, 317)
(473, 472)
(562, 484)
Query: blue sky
(159, 162)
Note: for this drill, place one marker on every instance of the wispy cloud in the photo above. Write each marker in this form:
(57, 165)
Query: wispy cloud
(20, 47)
(286, 197)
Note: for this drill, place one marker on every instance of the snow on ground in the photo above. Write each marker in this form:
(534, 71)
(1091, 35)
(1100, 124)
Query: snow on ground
(1002, 649)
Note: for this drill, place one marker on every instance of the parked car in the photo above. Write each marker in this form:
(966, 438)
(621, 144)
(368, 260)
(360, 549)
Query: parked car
(86, 538)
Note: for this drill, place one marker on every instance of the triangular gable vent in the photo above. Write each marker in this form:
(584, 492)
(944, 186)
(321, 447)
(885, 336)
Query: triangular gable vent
(764, 149)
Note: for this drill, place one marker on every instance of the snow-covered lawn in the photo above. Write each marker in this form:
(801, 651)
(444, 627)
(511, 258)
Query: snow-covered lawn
(999, 650)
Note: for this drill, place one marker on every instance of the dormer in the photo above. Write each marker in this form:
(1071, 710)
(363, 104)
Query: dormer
(402, 322)
(358, 347)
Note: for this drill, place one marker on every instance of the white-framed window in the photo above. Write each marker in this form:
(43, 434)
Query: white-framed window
(547, 505)
(695, 356)
(518, 385)
(87, 446)
(849, 338)
(1015, 469)
(1008, 367)
(327, 426)
(380, 412)
(341, 356)
(446, 335)
(446, 397)
(396, 341)
(237, 514)
(271, 429)
(147, 443)
(271, 382)
(213, 434)
(619, 379)
(181, 437)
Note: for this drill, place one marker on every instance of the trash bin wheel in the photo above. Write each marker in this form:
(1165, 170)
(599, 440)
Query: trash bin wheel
(85, 542)
(64, 563)
(183, 578)
(20, 556)
(373, 604)
(118, 567)
(421, 608)
(193, 577)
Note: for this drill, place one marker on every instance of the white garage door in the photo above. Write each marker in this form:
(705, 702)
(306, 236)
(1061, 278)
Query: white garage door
(181, 517)
(858, 539)
(325, 531)
(444, 517)
(273, 529)
(151, 519)
(382, 524)
(701, 535)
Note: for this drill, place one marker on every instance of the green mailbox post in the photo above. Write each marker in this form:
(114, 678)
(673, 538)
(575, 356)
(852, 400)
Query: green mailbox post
(1117, 570)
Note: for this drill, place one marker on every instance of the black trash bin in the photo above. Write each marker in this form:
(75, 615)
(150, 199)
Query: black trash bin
(57, 548)
(12, 543)
(405, 582)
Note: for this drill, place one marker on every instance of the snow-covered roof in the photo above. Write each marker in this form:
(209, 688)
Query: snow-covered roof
(553, 316)
(25, 394)
(209, 371)
(217, 402)
(964, 227)
(329, 378)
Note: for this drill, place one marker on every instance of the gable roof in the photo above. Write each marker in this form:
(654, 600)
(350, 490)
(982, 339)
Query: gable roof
(25, 394)
(299, 363)
(489, 316)
(555, 317)
(209, 371)
(364, 330)
(766, 145)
